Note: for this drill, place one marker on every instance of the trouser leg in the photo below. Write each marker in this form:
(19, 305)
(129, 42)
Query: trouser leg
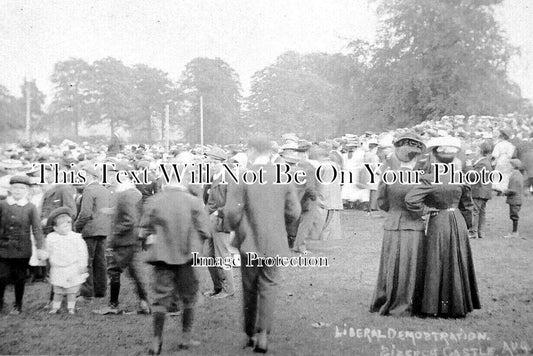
(114, 271)
(87, 289)
(268, 288)
(221, 241)
(216, 273)
(100, 269)
(136, 273)
(482, 217)
(249, 293)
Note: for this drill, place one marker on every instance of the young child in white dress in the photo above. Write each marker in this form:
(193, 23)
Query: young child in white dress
(68, 257)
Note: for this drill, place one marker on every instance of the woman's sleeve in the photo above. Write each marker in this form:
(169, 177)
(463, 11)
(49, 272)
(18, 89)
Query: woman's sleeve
(383, 196)
(416, 197)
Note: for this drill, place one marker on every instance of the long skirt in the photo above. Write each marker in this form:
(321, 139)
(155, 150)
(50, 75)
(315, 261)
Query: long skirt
(399, 275)
(450, 287)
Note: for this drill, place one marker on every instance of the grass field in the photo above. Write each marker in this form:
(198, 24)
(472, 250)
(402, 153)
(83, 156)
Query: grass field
(337, 296)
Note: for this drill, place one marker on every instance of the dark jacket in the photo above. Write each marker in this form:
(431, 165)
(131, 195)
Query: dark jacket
(125, 230)
(391, 198)
(16, 224)
(479, 190)
(215, 203)
(515, 188)
(262, 214)
(179, 224)
(150, 189)
(59, 195)
(93, 220)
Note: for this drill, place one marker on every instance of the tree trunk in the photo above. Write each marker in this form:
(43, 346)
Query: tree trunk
(77, 121)
(150, 129)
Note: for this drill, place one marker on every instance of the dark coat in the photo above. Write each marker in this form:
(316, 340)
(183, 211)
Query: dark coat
(93, 220)
(479, 190)
(391, 199)
(150, 189)
(60, 195)
(16, 224)
(262, 214)
(179, 224)
(441, 196)
(125, 230)
(515, 188)
(215, 202)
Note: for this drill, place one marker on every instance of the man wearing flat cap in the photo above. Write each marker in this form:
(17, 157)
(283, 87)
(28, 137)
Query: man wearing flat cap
(124, 239)
(94, 223)
(219, 245)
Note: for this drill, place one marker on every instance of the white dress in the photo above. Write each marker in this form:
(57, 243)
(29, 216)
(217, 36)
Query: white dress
(350, 190)
(68, 258)
(502, 153)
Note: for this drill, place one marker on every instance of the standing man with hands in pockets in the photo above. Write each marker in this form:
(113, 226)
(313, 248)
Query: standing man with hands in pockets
(262, 215)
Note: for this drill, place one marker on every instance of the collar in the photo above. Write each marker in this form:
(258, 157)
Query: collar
(21, 202)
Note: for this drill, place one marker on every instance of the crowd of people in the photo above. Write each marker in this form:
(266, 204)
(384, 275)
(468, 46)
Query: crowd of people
(79, 234)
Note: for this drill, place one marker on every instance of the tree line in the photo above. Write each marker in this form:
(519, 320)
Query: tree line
(430, 58)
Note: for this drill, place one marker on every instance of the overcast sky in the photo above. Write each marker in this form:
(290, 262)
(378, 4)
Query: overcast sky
(249, 35)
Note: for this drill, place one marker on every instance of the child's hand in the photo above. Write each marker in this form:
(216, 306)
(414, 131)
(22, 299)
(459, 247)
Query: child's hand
(41, 255)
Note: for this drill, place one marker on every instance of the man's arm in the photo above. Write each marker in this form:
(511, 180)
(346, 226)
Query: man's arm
(86, 209)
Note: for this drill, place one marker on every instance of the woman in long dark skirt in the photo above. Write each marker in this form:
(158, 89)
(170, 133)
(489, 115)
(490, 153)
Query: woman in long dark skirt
(400, 266)
(449, 287)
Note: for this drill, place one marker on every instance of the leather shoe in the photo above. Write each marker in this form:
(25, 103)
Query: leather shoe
(221, 295)
(156, 351)
(250, 342)
(261, 345)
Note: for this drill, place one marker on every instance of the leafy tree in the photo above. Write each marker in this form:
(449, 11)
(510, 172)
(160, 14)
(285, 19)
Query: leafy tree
(36, 105)
(112, 94)
(72, 97)
(152, 91)
(434, 58)
(11, 117)
(220, 87)
(306, 94)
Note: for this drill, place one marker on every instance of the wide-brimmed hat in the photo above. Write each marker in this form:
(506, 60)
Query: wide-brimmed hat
(216, 153)
(20, 179)
(409, 136)
(444, 141)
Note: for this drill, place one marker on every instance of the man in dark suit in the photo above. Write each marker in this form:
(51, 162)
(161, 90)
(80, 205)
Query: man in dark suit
(125, 243)
(93, 223)
(481, 193)
(262, 215)
(219, 245)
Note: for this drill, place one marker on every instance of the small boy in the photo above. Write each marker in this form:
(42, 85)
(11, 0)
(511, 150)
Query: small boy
(514, 195)
(68, 256)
